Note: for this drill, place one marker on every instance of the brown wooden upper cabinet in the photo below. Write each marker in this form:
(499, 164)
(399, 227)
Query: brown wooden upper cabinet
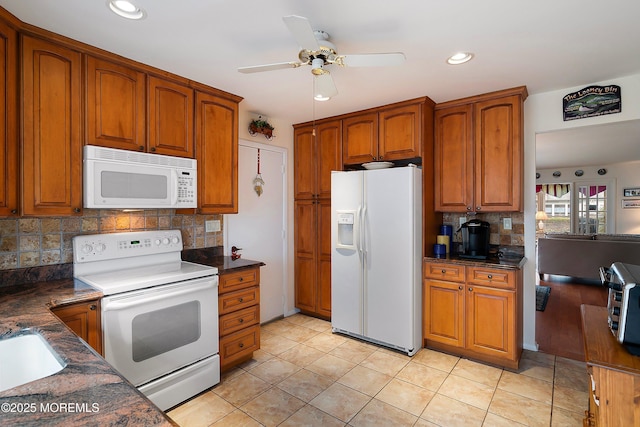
(387, 134)
(51, 129)
(10, 184)
(479, 153)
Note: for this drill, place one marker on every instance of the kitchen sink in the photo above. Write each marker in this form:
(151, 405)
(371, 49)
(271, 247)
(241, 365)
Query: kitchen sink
(26, 357)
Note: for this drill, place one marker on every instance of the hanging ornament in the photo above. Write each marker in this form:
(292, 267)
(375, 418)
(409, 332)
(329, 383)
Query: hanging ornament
(258, 182)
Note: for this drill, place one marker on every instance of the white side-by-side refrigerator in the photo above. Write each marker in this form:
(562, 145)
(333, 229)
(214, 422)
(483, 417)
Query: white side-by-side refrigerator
(376, 256)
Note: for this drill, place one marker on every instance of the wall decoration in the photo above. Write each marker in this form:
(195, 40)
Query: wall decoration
(602, 171)
(557, 174)
(630, 204)
(631, 192)
(579, 172)
(591, 101)
(260, 125)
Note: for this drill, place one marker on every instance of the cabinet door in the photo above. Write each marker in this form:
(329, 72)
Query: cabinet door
(360, 139)
(52, 143)
(8, 121)
(329, 156)
(491, 323)
(400, 133)
(217, 154)
(323, 303)
(498, 154)
(115, 110)
(453, 163)
(444, 312)
(304, 162)
(305, 255)
(83, 319)
(170, 118)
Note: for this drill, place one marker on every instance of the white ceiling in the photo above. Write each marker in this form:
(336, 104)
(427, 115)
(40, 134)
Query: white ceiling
(544, 44)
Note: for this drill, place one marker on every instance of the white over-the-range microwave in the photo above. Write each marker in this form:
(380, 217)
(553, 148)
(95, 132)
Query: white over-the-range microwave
(121, 179)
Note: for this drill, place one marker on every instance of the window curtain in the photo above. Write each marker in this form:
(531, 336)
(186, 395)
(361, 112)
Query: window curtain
(593, 189)
(557, 190)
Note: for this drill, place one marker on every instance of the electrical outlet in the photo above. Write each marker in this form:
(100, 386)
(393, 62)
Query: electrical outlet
(212, 226)
(506, 223)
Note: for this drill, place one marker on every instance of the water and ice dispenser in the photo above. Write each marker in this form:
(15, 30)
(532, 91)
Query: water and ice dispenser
(346, 230)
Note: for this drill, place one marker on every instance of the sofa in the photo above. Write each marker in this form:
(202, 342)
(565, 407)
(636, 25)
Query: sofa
(581, 256)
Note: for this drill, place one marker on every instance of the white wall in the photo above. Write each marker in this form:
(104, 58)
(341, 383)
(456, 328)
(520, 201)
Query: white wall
(543, 113)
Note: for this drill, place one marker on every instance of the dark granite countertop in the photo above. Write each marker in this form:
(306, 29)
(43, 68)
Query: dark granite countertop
(493, 262)
(94, 393)
(211, 257)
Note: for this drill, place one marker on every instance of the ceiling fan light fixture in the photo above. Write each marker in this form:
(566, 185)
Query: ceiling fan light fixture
(321, 97)
(460, 58)
(317, 65)
(126, 9)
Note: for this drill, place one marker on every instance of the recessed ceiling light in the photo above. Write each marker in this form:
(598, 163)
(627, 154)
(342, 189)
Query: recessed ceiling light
(320, 97)
(460, 58)
(126, 9)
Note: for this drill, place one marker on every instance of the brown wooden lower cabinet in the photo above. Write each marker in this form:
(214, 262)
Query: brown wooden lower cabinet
(83, 318)
(239, 311)
(473, 311)
(614, 374)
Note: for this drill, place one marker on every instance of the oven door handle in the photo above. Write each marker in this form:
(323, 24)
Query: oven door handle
(123, 302)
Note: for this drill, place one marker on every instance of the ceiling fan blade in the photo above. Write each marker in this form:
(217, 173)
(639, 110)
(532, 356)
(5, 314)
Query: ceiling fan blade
(324, 87)
(302, 32)
(371, 59)
(268, 67)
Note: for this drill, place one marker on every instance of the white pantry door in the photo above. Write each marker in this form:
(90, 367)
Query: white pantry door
(259, 226)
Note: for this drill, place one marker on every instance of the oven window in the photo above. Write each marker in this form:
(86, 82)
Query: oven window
(160, 331)
(127, 185)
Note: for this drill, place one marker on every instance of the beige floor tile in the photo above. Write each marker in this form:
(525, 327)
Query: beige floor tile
(532, 388)
(272, 407)
(540, 357)
(276, 327)
(353, 351)
(406, 396)
(331, 366)
(236, 419)
(424, 423)
(448, 412)
(325, 341)
(467, 391)
(297, 319)
(570, 399)
(572, 378)
(317, 324)
(340, 401)
(383, 362)
(240, 389)
(380, 414)
(201, 411)
(563, 418)
(478, 372)
(259, 356)
(535, 369)
(301, 355)
(423, 376)
(493, 420)
(305, 385)
(365, 380)
(277, 344)
(275, 370)
(563, 362)
(310, 416)
(520, 409)
(435, 359)
(299, 333)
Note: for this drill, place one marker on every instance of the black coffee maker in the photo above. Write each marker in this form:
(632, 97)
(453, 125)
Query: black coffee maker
(475, 239)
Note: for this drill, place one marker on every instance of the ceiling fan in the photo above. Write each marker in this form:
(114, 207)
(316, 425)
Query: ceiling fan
(316, 50)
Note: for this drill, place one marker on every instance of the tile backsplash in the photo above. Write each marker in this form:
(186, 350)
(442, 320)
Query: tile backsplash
(498, 236)
(39, 241)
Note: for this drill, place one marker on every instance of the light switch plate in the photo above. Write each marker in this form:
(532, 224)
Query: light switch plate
(506, 223)
(212, 226)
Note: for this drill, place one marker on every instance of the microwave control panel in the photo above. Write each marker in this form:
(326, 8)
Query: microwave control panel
(187, 183)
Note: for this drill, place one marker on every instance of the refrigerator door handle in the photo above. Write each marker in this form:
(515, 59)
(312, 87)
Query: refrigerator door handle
(363, 233)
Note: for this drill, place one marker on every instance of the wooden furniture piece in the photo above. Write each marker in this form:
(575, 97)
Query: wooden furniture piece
(317, 152)
(239, 311)
(479, 147)
(51, 129)
(9, 147)
(84, 319)
(614, 386)
(474, 311)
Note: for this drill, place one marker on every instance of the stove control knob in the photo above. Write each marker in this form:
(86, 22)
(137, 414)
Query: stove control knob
(614, 325)
(157, 242)
(87, 248)
(616, 311)
(175, 240)
(100, 247)
(165, 241)
(618, 296)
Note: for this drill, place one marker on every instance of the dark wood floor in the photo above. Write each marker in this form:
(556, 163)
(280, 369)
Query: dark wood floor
(558, 327)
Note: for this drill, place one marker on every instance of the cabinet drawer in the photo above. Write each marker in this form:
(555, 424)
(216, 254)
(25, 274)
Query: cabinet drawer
(238, 280)
(240, 319)
(237, 300)
(239, 344)
(442, 271)
(495, 278)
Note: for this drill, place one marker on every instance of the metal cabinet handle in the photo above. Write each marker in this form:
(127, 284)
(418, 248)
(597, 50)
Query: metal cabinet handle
(77, 210)
(241, 299)
(242, 279)
(241, 320)
(444, 271)
(460, 287)
(468, 208)
(241, 345)
(141, 147)
(153, 149)
(478, 208)
(14, 211)
(470, 289)
(489, 276)
(93, 307)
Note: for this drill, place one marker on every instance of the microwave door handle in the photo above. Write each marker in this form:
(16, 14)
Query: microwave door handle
(174, 179)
